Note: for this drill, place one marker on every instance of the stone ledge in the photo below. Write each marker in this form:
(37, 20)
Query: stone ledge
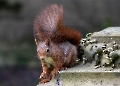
(108, 35)
(86, 75)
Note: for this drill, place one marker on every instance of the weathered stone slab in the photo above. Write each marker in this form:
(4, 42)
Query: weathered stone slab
(86, 75)
(108, 35)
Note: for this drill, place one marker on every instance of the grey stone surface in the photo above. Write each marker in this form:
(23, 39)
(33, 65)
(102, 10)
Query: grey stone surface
(86, 75)
(108, 35)
(110, 31)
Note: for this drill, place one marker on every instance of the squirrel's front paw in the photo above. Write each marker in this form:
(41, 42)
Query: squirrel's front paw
(44, 78)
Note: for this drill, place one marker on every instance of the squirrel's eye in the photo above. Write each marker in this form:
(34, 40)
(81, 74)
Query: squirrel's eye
(47, 50)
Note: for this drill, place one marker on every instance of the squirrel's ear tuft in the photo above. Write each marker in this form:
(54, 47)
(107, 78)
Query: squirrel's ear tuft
(36, 42)
(47, 42)
(36, 36)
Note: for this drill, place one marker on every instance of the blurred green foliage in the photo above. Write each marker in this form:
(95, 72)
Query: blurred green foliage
(107, 23)
(21, 61)
(25, 55)
(21, 54)
(12, 7)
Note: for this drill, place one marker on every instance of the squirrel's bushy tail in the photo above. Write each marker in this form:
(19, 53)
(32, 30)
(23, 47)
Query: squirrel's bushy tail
(48, 25)
(48, 21)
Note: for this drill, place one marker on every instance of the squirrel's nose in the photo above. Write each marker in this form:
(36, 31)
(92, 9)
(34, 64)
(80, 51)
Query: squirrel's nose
(42, 58)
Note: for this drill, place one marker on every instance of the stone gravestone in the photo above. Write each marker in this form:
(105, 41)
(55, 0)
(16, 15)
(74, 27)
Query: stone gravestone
(108, 35)
(87, 75)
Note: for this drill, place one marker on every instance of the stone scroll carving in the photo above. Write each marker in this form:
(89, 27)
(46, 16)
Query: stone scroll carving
(102, 48)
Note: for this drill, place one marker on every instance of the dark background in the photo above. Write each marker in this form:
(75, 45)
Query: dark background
(19, 64)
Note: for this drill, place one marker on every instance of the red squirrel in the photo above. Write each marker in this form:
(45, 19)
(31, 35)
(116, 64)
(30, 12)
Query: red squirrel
(56, 44)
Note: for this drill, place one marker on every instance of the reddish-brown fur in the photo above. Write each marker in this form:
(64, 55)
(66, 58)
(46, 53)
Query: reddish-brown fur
(55, 41)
